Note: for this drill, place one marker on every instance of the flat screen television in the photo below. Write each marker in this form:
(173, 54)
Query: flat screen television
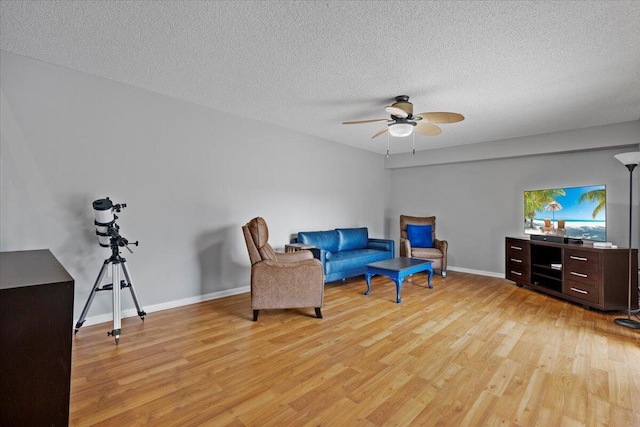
(571, 212)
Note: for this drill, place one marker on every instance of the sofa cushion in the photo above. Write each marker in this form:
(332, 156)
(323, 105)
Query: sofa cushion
(352, 238)
(420, 236)
(355, 258)
(327, 240)
(426, 253)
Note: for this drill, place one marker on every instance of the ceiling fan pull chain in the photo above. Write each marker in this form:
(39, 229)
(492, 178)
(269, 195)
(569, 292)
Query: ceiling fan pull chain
(414, 142)
(388, 144)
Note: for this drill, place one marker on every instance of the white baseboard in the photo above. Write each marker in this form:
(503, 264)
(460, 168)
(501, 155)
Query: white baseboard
(478, 272)
(132, 312)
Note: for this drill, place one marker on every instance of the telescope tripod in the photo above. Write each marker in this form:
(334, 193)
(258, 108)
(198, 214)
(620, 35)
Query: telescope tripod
(117, 262)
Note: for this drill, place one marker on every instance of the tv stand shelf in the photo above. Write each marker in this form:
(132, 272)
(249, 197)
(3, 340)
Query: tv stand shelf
(594, 277)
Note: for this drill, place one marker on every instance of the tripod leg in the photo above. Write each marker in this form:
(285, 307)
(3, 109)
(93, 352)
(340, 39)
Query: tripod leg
(116, 302)
(127, 276)
(85, 310)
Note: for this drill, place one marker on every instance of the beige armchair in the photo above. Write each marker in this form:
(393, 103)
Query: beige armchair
(437, 254)
(281, 280)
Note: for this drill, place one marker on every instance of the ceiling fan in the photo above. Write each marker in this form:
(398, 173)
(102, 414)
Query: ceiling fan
(403, 121)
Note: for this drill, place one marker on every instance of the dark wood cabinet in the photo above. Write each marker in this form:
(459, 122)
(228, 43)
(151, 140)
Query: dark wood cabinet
(36, 331)
(518, 263)
(594, 277)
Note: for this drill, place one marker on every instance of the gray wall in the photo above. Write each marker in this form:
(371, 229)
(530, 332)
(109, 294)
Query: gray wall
(478, 203)
(191, 178)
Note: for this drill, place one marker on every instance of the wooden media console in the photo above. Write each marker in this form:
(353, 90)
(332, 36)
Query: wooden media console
(594, 277)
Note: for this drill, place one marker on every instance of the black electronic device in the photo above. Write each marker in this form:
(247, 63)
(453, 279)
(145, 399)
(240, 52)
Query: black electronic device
(556, 239)
(547, 238)
(573, 213)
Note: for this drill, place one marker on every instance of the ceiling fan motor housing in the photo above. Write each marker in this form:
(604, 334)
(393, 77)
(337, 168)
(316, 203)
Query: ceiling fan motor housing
(401, 120)
(402, 102)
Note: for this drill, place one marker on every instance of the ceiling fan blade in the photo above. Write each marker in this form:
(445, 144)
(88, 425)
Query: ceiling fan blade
(396, 111)
(442, 117)
(381, 132)
(365, 121)
(426, 128)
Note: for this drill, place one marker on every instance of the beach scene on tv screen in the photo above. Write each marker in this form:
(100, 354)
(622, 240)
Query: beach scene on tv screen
(573, 212)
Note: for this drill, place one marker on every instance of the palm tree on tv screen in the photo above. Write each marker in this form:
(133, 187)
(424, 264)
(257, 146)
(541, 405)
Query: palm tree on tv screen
(597, 196)
(535, 201)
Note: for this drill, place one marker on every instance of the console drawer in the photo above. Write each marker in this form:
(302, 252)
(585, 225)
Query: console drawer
(582, 266)
(518, 262)
(518, 275)
(583, 291)
(518, 253)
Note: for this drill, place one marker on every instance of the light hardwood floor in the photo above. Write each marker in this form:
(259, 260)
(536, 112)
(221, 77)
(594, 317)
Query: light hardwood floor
(473, 351)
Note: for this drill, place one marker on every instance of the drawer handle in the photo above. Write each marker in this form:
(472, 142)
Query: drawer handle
(516, 273)
(578, 274)
(578, 258)
(579, 290)
(516, 260)
(518, 248)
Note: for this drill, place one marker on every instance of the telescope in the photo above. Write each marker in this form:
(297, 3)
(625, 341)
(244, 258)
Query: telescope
(105, 222)
(108, 233)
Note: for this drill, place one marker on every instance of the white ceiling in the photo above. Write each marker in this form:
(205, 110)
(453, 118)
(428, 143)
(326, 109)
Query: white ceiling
(512, 68)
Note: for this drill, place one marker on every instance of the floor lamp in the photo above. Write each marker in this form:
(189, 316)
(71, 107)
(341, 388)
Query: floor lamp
(630, 160)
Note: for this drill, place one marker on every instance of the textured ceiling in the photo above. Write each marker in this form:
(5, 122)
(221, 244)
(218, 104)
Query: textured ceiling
(512, 68)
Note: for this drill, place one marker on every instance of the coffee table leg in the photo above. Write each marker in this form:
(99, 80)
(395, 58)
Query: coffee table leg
(368, 277)
(430, 271)
(398, 288)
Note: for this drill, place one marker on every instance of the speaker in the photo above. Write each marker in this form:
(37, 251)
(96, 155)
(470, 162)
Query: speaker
(546, 238)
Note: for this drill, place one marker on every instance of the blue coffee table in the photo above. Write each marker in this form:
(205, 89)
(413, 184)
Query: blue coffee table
(397, 269)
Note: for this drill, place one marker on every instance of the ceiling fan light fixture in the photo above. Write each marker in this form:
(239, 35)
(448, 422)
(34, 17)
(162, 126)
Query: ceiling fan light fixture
(400, 130)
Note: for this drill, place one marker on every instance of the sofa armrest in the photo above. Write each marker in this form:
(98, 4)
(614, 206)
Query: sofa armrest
(294, 256)
(405, 248)
(319, 254)
(271, 264)
(383, 245)
(441, 245)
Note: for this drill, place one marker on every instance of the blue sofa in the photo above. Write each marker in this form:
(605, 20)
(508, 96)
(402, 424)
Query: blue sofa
(345, 252)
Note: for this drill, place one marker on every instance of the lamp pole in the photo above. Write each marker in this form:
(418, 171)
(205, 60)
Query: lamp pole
(630, 160)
